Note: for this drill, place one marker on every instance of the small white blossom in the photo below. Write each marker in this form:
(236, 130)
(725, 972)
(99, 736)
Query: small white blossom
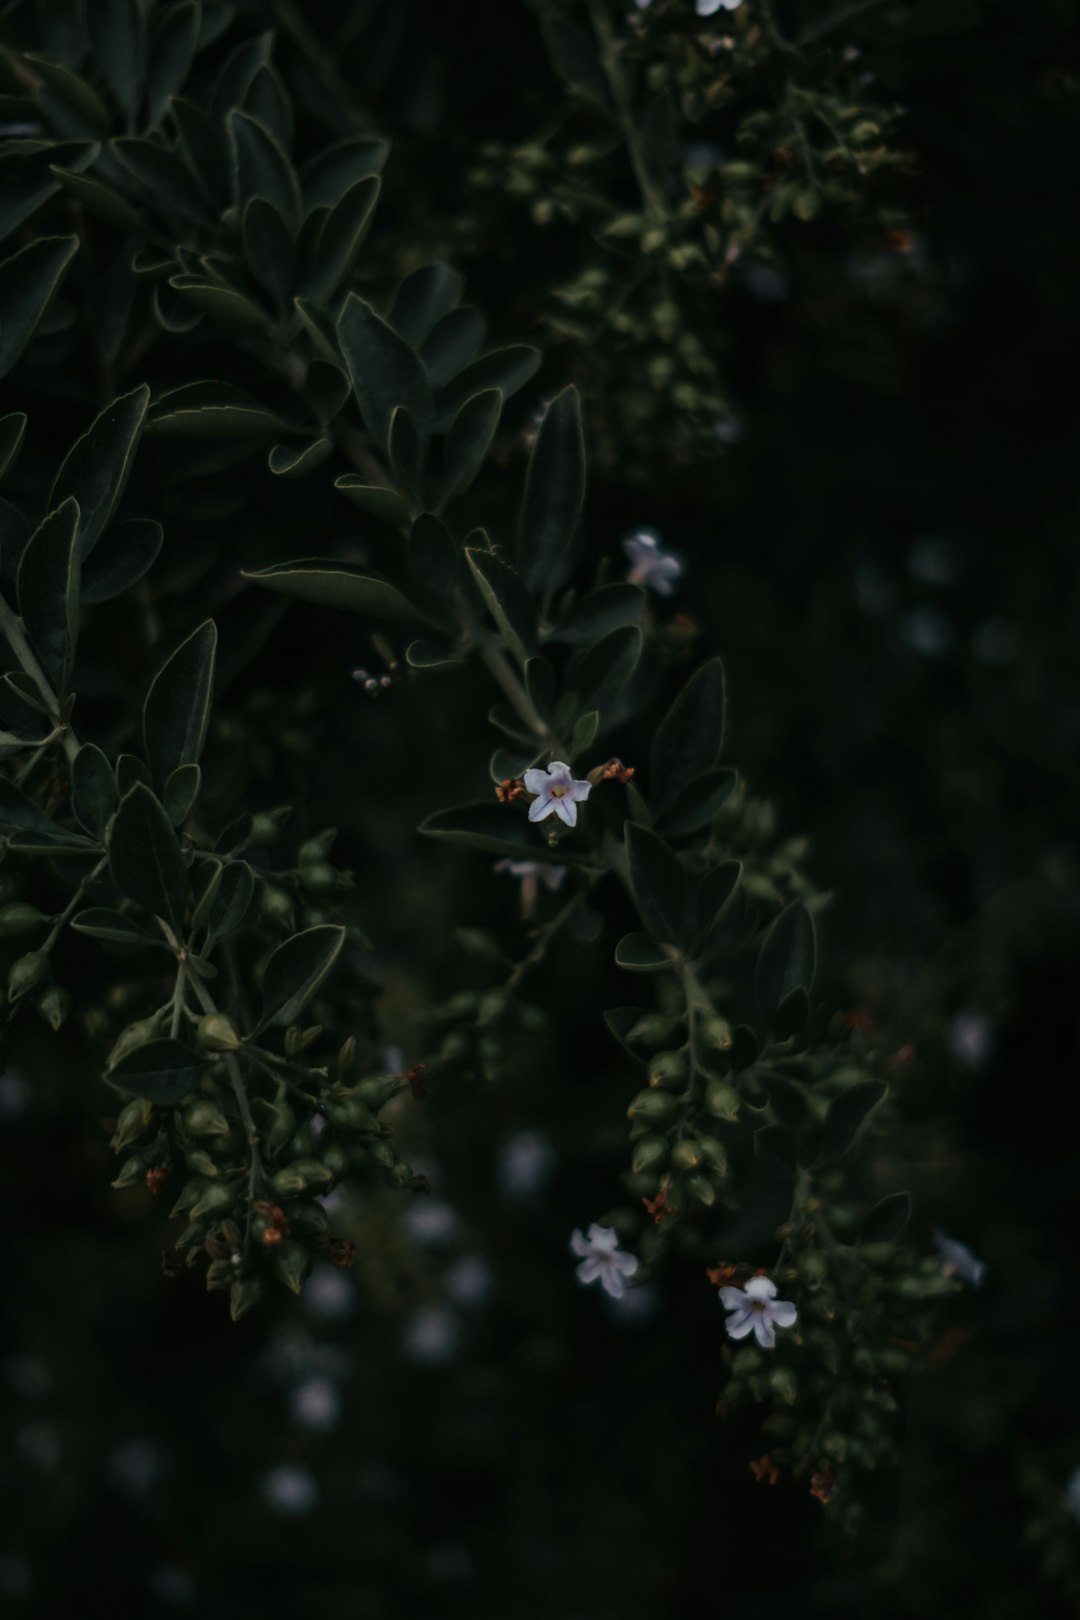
(957, 1260)
(709, 8)
(556, 792)
(756, 1309)
(1072, 1493)
(316, 1404)
(971, 1038)
(650, 564)
(432, 1336)
(525, 1164)
(602, 1260)
(545, 872)
(290, 1488)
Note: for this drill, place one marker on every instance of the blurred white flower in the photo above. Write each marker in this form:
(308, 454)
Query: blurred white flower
(556, 793)
(525, 1164)
(650, 564)
(316, 1404)
(636, 1307)
(432, 1336)
(545, 872)
(469, 1280)
(755, 1309)
(602, 1260)
(329, 1294)
(290, 1488)
(709, 8)
(1072, 1493)
(957, 1260)
(971, 1038)
(430, 1220)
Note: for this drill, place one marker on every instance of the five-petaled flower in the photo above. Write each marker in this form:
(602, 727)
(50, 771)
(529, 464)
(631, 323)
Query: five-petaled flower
(650, 564)
(556, 792)
(957, 1260)
(757, 1310)
(602, 1260)
(545, 872)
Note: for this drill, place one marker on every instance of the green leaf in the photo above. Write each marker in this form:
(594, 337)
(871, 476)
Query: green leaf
(94, 795)
(385, 504)
(505, 369)
(422, 299)
(261, 169)
(609, 608)
(211, 410)
(714, 892)
(129, 770)
(28, 283)
(145, 857)
(177, 708)
(27, 180)
(99, 922)
(454, 342)
(118, 36)
(233, 310)
(495, 829)
(332, 584)
(437, 564)
(541, 684)
(164, 177)
(231, 903)
(101, 201)
(507, 600)
(295, 972)
(657, 884)
(288, 461)
(585, 728)
(181, 791)
(406, 450)
(236, 75)
(469, 441)
(97, 467)
(554, 495)
(172, 51)
(160, 1071)
(332, 173)
(847, 1113)
(71, 105)
(199, 147)
(574, 58)
(341, 237)
(326, 389)
(787, 958)
(49, 593)
(18, 815)
(698, 803)
(426, 655)
(639, 954)
(268, 250)
(12, 433)
(123, 556)
(606, 668)
(383, 369)
(887, 1220)
(690, 738)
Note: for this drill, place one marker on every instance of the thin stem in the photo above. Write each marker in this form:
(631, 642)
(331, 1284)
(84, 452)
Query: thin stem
(11, 628)
(549, 930)
(494, 657)
(69, 909)
(28, 769)
(177, 1003)
(624, 112)
(236, 1080)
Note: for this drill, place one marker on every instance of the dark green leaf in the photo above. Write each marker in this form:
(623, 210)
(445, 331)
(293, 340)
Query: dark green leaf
(385, 504)
(495, 829)
(49, 593)
(574, 58)
(426, 655)
(145, 857)
(237, 73)
(542, 686)
(181, 791)
(161, 1071)
(421, 301)
(690, 738)
(172, 51)
(468, 442)
(887, 1220)
(437, 564)
(27, 180)
(326, 389)
(99, 922)
(268, 250)
(97, 467)
(28, 283)
(597, 614)
(699, 802)
(12, 433)
(454, 342)
(233, 310)
(788, 1098)
(793, 1014)
(657, 883)
(211, 410)
(177, 708)
(19, 815)
(295, 972)
(129, 770)
(505, 369)
(846, 1114)
(787, 958)
(124, 555)
(332, 584)
(406, 450)
(607, 666)
(383, 369)
(164, 177)
(585, 728)
(714, 893)
(333, 172)
(341, 237)
(554, 495)
(232, 902)
(291, 461)
(71, 105)
(639, 954)
(94, 794)
(261, 169)
(101, 201)
(118, 36)
(507, 600)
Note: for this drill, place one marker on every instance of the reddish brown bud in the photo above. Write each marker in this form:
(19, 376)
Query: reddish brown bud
(765, 1470)
(156, 1178)
(509, 789)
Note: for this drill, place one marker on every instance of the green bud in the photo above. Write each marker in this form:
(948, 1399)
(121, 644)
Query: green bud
(53, 1005)
(219, 1274)
(335, 1157)
(378, 1089)
(322, 878)
(309, 1219)
(668, 1069)
(134, 1170)
(383, 1155)
(783, 1382)
(316, 849)
(217, 1198)
(346, 1056)
(288, 1182)
(243, 1296)
(26, 973)
(282, 1124)
(217, 1033)
(290, 1264)
(455, 1048)
(650, 1153)
(348, 1113)
(722, 1100)
(656, 1106)
(653, 1030)
(298, 1040)
(701, 1188)
(200, 1163)
(276, 906)
(315, 1173)
(131, 1122)
(136, 1034)
(716, 1032)
(713, 1154)
(20, 918)
(204, 1118)
(813, 1268)
(685, 1155)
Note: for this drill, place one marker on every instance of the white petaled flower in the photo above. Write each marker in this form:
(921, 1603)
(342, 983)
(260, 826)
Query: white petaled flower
(1072, 1493)
(755, 1309)
(602, 1260)
(544, 872)
(957, 1260)
(556, 792)
(709, 8)
(650, 564)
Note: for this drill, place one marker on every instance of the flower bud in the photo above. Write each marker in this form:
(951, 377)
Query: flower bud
(722, 1100)
(27, 972)
(243, 1295)
(653, 1030)
(656, 1106)
(316, 849)
(383, 1155)
(131, 1122)
(288, 1182)
(668, 1069)
(53, 1005)
(217, 1198)
(346, 1055)
(204, 1118)
(291, 1261)
(136, 1034)
(334, 1156)
(650, 1153)
(20, 918)
(217, 1033)
(716, 1032)
(200, 1163)
(349, 1113)
(134, 1170)
(378, 1089)
(713, 1154)
(277, 907)
(701, 1188)
(315, 1173)
(685, 1155)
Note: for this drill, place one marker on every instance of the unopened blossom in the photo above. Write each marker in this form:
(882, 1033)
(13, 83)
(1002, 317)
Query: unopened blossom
(650, 564)
(544, 872)
(755, 1309)
(957, 1260)
(556, 792)
(602, 1260)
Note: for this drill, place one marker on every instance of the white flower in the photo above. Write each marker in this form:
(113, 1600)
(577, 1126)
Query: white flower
(1072, 1493)
(555, 790)
(650, 564)
(525, 1164)
(290, 1488)
(316, 1404)
(757, 1310)
(708, 8)
(544, 872)
(602, 1260)
(957, 1260)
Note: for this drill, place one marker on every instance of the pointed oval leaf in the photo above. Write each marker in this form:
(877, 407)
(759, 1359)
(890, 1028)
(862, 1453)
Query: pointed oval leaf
(554, 495)
(469, 441)
(28, 283)
(261, 169)
(422, 299)
(690, 738)
(49, 592)
(698, 803)
(97, 467)
(657, 883)
(101, 922)
(94, 794)
(334, 171)
(118, 36)
(639, 954)
(505, 369)
(177, 708)
(383, 369)
(887, 1220)
(123, 556)
(211, 410)
(181, 791)
(385, 504)
(507, 600)
(341, 237)
(12, 433)
(453, 343)
(172, 51)
(160, 1071)
(847, 1114)
(145, 856)
(288, 461)
(787, 959)
(331, 584)
(599, 613)
(295, 972)
(495, 830)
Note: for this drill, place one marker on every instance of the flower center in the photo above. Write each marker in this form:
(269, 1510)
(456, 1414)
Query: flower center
(559, 791)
